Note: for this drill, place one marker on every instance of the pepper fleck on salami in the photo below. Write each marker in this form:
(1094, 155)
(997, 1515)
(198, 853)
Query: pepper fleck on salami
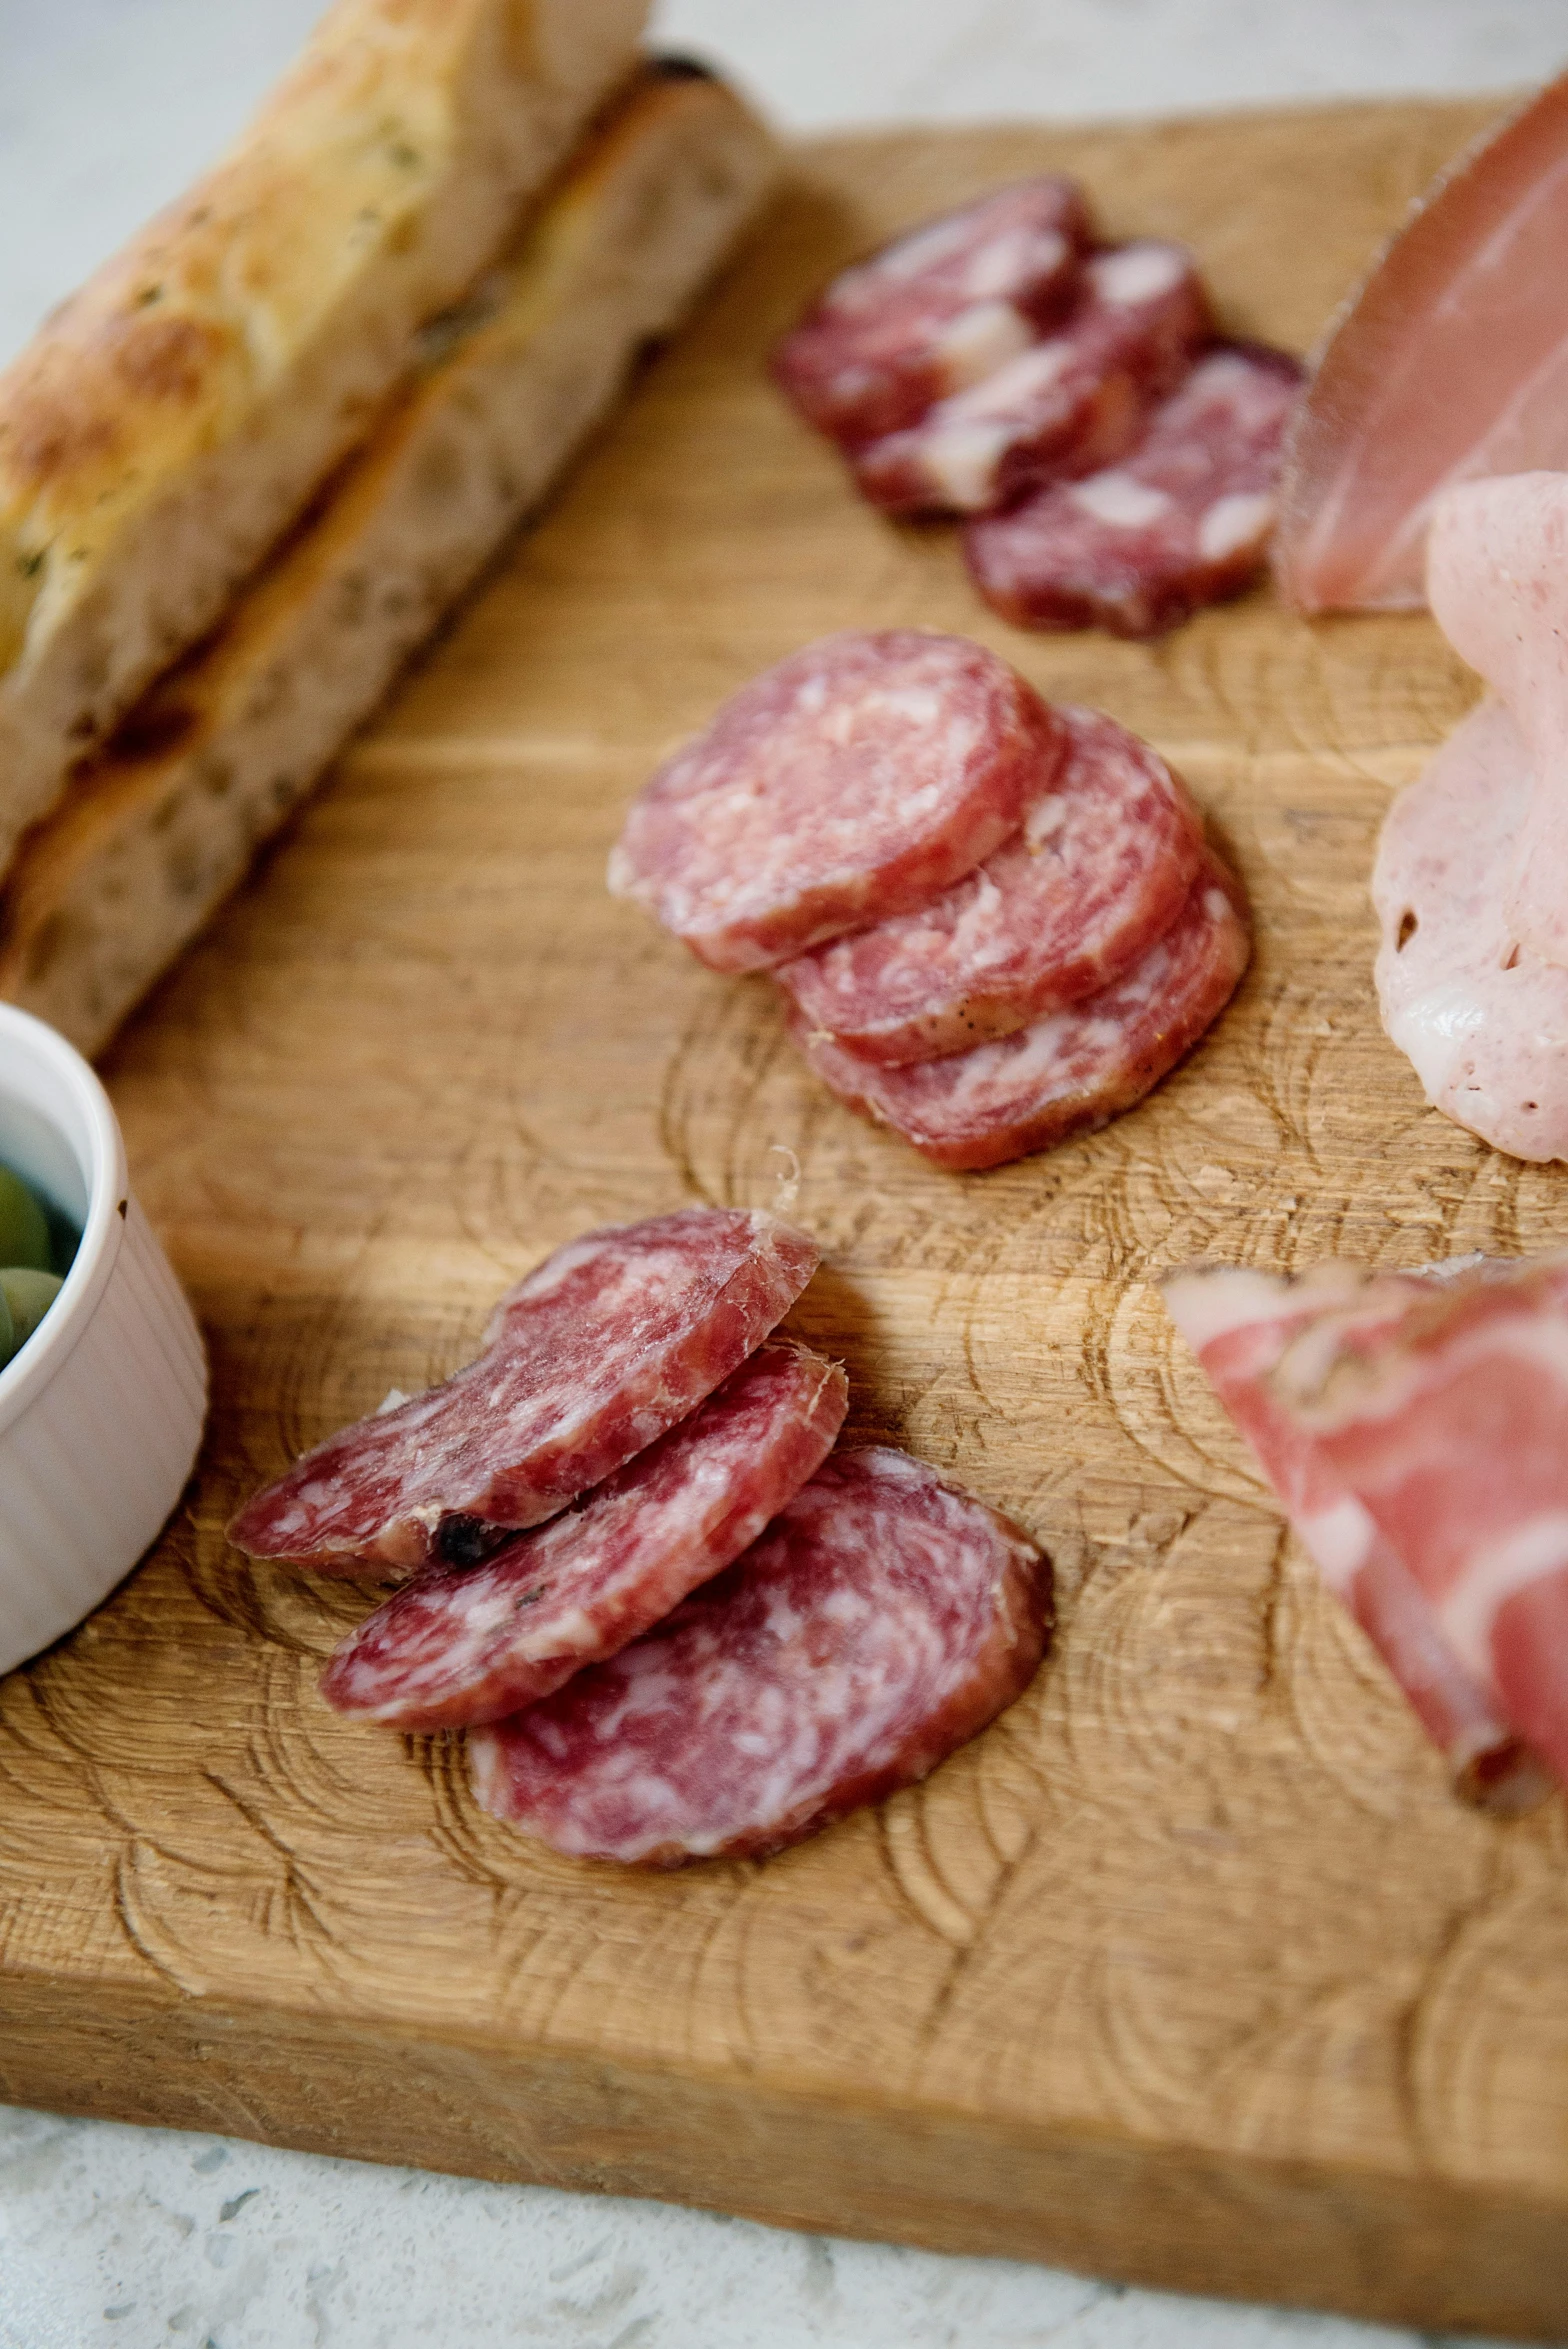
(612, 1340)
(452, 1648)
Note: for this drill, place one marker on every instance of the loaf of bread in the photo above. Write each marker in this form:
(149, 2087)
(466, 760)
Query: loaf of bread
(162, 823)
(173, 417)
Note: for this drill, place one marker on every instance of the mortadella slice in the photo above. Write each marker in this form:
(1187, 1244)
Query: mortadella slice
(593, 1357)
(1066, 406)
(1497, 582)
(854, 779)
(1309, 1369)
(1450, 362)
(458, 1646)
(1183, 520)
(1070, 1072)
(1101, 869)
(1482, 1020)
(882, 1620)
(935, 310)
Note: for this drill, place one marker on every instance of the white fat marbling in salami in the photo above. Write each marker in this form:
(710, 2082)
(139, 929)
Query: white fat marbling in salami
(1101, 868)
(855, 779)
(934, 311)
(1069, 404)
(1481, 1017)
(613, 1339)
(1416, 1427)
(879, 1623)
(458, 1646)
(1182, 520)
(1070, 1072)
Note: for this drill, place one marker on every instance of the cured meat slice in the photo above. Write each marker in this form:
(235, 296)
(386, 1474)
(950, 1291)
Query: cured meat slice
(590, 1359)
(1497, 581)
(1068, 405)
(934, 311)
(455, 1647)
(1101, 869)
(1482, 1020)
(855, 779)
(1184, 520)
(879, 1623)
(1072, 1071)
(1451, 362)
(1264, 1344)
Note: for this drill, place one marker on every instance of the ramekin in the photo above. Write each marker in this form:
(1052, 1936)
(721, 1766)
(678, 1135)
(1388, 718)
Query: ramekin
(101, 1411)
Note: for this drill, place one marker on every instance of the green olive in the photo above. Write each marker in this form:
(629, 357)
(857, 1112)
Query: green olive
(8, 1337)
(28, 1296)
(24, 1228)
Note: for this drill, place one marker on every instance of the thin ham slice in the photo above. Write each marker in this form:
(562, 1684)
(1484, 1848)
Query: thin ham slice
(1415, 1426)
(1451, 362)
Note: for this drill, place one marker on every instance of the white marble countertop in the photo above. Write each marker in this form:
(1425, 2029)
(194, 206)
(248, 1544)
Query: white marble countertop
(137, 2237)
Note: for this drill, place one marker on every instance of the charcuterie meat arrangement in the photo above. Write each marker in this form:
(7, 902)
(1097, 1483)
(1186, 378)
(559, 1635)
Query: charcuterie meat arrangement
(1415, 1426)
(678, 1623)
(1115, 457)
(996, 923)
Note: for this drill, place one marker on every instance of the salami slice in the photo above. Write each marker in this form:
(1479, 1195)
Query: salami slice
(879, 1623)
(1102, 867)
(855, 779)
(1072, 1071)
(456, 1647)
(1068, 405)
(1183, 520)
(594, 1356)
(934, 311)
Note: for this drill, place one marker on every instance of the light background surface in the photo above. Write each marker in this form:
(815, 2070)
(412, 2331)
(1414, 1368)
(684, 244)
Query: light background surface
(138, 2237)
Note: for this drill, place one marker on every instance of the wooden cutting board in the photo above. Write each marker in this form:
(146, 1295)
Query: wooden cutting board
(1189, 1970)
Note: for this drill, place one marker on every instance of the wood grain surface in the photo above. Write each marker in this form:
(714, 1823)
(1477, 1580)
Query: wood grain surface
(1190, 1969)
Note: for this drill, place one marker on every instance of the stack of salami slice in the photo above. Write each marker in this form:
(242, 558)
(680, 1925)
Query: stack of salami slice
(675, 1626)
(996, 923)
(1116, 458)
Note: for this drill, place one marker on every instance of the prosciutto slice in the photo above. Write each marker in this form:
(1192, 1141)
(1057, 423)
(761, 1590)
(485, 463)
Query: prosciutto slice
(1450, 363)
(1415, 1425)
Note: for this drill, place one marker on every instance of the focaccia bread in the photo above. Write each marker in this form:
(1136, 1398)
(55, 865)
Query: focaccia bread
(171, 419)
(160, 825)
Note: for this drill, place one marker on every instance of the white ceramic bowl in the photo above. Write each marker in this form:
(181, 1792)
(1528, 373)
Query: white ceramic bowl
(101, 1411)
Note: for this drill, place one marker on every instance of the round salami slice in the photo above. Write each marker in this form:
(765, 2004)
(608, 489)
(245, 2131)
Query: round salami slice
(855, 779)
(455, 1647)
(589, 1360)
(1101, 869)
(1063, 407)
(1070, 1072)
(934, 311)
(881, 1621)
(1183, 520)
